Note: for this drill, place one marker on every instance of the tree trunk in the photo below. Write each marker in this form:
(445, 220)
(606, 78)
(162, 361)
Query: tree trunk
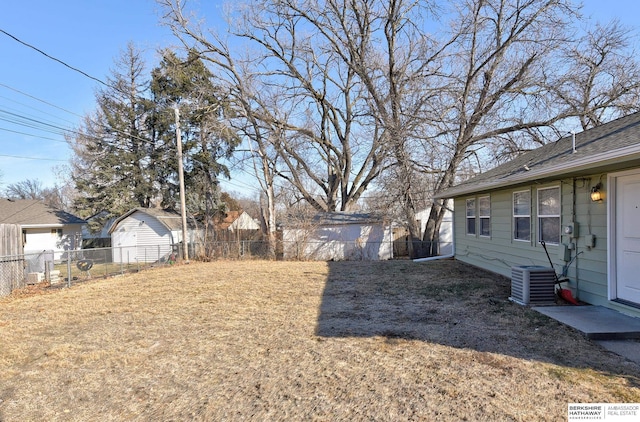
(431, 238)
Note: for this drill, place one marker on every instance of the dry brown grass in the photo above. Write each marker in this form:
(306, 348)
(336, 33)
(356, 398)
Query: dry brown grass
(296, 341)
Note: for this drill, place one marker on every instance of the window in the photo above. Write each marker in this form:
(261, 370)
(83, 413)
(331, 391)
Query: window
(471, 216)
(56, 233)
(522, 215)
(549, 215)
(484, 205)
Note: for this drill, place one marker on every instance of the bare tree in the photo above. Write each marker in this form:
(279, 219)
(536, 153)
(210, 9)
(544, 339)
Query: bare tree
(603, 77)
(336, 93)
(57, 196)
(328, 146)
(498, 67)
(25, 189)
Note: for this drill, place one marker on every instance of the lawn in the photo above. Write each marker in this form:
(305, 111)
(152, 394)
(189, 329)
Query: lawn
(259, 340)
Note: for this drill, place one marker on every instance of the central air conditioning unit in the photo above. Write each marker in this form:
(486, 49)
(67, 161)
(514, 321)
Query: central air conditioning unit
(533, 285)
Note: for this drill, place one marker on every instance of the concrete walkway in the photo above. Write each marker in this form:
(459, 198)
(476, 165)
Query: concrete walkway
(613, 330)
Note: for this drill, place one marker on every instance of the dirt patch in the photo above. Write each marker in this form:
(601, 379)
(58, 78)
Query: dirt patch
(297, 340)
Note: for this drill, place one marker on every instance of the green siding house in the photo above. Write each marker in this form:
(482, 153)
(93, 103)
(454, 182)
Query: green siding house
(580, 195)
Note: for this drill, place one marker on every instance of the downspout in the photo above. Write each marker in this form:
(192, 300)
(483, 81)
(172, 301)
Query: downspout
(573, 218)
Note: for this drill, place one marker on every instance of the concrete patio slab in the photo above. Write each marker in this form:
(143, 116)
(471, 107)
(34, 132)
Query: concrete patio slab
(612, 330)
(596, 322)
(627, 348)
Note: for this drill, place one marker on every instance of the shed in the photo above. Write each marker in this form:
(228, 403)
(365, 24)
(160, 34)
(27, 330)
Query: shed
(580, 195)
(338, 236)
(147, 235)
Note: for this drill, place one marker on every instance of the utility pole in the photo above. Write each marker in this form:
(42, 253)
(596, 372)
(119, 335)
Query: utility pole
(183, 202)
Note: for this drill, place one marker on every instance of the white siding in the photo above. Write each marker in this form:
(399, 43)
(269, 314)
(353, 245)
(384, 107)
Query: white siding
(244, 222)
(340, 242)
(140, 238)
(41, 239)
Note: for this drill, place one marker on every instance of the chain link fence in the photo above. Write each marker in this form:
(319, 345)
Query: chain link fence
(12, 275)
(63, 268)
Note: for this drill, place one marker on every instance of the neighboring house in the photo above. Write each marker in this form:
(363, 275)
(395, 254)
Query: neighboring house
(236, 226)
(43, 227)
(98, 239)
(338, 236)
(235, 221)
(147, 235)
(580, 195)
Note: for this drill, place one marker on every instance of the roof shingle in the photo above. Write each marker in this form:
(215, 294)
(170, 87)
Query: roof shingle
(32, 212)
(616, 142)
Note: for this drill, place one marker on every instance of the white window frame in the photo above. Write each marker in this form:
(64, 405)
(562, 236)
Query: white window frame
(486, 216)
(471, 217)
(541, 216)
(514, 215)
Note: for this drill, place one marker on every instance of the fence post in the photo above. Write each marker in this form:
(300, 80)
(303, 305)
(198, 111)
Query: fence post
(47, 271)
(68, 268)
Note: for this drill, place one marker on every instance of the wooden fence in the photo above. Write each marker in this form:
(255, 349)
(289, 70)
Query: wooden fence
(11, 259)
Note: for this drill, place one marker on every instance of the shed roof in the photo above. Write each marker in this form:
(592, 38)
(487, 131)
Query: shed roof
(338, 218)
(613, 145)
(168, 218)
(33, 212)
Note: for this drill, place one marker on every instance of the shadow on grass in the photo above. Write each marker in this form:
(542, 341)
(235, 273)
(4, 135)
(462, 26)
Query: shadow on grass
(453, 304)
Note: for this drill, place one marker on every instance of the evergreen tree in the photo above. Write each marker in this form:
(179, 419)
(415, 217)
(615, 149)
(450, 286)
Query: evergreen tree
(125, 152)
(188, 85)
(119, 158)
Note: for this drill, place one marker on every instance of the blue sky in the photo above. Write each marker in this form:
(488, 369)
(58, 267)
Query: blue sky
(89, 35)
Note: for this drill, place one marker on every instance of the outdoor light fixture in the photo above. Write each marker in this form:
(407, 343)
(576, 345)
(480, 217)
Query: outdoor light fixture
(596, 195)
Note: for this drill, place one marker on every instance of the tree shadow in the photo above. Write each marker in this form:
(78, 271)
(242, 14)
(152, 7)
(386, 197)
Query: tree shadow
(452, 304)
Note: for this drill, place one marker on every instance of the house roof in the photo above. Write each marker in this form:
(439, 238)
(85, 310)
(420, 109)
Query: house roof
(168, 218)
(613, 145)
(34, 213)
(228, 220)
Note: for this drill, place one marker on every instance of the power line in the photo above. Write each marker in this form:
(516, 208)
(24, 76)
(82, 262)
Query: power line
(52, 58)
(31, 158)
(31, 122)
(37, 99)
(32, 135)
(64, 130)
(240, 184)
(37, 109)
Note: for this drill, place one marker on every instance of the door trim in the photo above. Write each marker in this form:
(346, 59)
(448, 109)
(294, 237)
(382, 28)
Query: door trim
(612, 199)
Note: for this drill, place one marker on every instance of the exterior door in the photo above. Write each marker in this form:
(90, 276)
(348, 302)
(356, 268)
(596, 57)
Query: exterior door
(125, 249)
(628, 238)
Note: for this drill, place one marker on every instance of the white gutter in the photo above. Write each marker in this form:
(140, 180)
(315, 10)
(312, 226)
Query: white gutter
(48, 226)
